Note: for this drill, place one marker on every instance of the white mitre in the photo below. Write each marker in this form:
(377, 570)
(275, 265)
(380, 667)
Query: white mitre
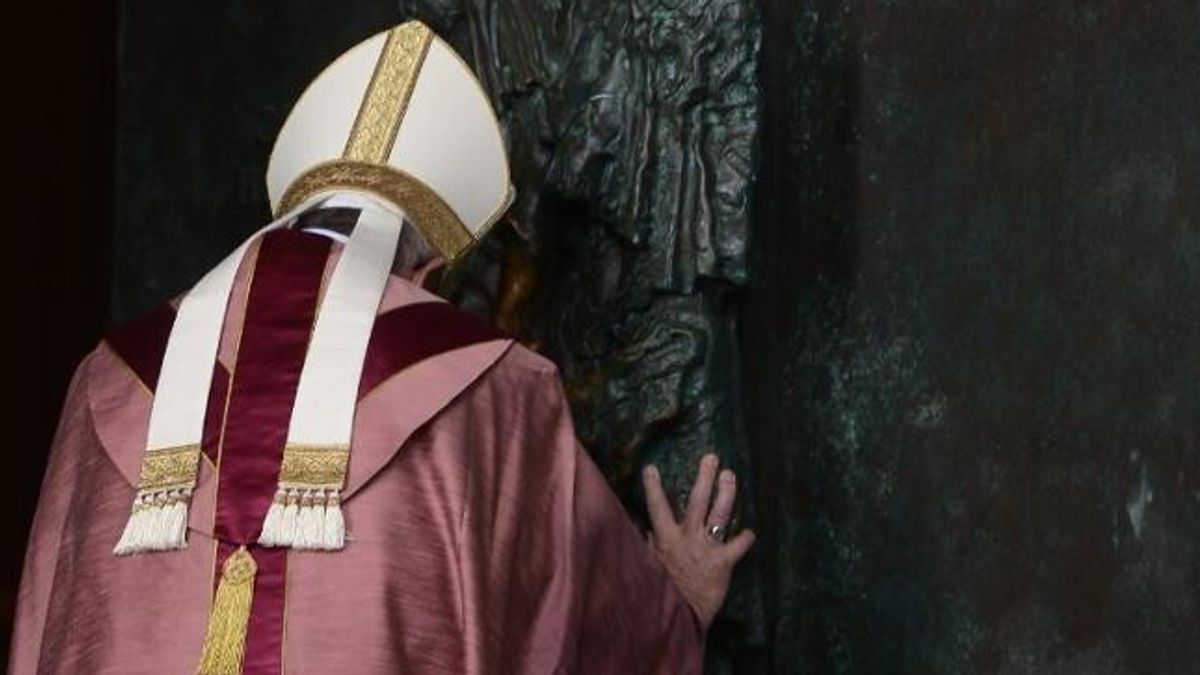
(399, 126)
(400, 116)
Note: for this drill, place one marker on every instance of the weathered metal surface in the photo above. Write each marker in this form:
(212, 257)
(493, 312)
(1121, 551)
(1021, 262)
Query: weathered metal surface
(632, 128)
(971, 337)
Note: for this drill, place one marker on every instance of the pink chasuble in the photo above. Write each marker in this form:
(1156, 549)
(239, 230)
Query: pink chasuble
(480, 536)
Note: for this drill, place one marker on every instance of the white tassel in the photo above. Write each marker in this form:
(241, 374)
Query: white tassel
(145, 530)
(145, 520)
(303, 511)
(177, 531)
(334, 531)
(158, 522)
(132, 535)
(311, 520)
(291, 512)
(157, 536)
(314, 537)
(273, 523)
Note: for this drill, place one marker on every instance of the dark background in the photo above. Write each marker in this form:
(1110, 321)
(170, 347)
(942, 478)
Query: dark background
(964, 349)
(59, 129)
(972, 336)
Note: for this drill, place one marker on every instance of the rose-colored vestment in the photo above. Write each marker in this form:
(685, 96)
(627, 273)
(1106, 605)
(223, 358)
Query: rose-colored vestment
(481, 537)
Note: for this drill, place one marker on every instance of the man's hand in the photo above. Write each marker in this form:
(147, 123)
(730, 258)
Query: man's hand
(699, 564)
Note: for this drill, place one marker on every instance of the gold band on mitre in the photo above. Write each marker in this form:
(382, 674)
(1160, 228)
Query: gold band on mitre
(386, 99)
(439, 224)
(364, 164)
(408, 79)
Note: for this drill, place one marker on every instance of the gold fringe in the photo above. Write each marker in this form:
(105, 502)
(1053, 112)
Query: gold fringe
(225, 643)
(386, 99)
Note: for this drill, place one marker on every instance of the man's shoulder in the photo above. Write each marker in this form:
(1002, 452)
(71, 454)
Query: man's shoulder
(411, 316)
(140, 342)
(522, 361)
(522, 377)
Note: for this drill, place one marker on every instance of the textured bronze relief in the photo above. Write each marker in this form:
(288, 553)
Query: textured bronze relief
(632, 129)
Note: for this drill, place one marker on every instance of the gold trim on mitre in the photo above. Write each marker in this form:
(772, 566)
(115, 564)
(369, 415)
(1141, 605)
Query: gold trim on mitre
(438, 222)
(364, 165)
(386, 99)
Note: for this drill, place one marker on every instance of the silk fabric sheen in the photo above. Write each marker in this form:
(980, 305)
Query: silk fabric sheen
(482, 539)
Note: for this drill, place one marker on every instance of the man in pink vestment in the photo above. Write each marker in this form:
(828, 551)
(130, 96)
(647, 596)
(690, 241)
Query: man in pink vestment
(479, 536)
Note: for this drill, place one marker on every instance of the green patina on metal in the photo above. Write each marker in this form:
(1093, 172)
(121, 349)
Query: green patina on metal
(633, 130)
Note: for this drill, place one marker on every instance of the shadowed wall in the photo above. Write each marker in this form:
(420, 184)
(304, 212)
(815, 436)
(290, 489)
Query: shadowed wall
(57, 138)
(972, 345)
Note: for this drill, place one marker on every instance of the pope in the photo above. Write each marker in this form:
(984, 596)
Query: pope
(310, 464)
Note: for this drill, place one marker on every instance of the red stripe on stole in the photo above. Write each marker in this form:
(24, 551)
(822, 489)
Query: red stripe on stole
(214, 414)
(280, 309)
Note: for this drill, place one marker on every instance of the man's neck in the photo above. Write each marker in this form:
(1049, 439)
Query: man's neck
(337, 223)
